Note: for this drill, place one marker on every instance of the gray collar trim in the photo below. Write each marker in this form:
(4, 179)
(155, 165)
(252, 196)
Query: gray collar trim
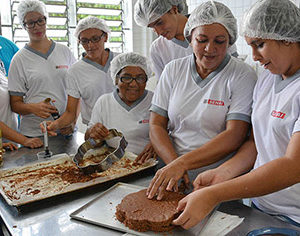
(123, 104)
(184, 44)
(280, 83)
(45, 56)
(202, 82)
(98, 66)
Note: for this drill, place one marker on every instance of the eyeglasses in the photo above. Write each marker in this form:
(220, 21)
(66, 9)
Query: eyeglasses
(94, 39)
(31, 24)
(129, 79)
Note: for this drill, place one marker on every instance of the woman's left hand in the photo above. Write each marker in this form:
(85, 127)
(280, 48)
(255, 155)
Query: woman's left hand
(195, 206)
(146, 154)
(10, 146)
(68, 129)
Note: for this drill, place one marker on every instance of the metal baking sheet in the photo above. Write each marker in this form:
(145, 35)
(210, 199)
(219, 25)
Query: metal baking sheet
(57, 191)
(101, 211)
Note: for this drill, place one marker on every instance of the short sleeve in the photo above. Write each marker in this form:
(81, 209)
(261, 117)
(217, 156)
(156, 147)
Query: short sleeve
(242, 95)
(72, 85)
(162, 93)
(16, 78)
(72, 58)
(296, 107)
(156, 61)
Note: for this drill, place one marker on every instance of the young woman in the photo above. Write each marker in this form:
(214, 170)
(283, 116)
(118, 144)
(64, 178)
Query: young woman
(38, 71)
(89, 78)
(167, 18)
(271, 28)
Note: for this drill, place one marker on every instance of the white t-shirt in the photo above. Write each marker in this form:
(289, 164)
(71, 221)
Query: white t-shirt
(162, 51)
(37, 76)
(89, 80)
(198, 109)
(275, 118)
(132, 121)
(6, 115)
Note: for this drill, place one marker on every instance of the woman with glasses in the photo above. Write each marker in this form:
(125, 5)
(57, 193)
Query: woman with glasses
(127, 107)
(38, 71)
(201, 107)
(89, 78)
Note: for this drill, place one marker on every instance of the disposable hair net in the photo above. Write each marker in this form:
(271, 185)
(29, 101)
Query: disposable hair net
(148, 11)
(91, 22)
(272, 19)
(128, 59)
(209, 13)
(26, 6)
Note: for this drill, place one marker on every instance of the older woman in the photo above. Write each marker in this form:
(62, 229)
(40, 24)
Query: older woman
(202, 105)
(271, 28)
(89, 78)
(127, 108)
(167, 18)
(37, 71)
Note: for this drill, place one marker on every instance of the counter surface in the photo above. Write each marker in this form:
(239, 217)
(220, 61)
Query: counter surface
(51, 216)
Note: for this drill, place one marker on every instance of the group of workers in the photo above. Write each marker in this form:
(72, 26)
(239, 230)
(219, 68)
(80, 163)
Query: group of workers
(200, 114)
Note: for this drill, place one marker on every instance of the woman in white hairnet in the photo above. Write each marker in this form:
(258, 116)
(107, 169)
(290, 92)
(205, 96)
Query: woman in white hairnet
(127, 107)
(202, 104)
(38, 71)
(89, 78)
(167, 18)
(271, 28)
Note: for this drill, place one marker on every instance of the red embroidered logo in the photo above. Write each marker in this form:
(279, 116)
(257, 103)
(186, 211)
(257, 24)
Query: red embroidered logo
(214, 102)
(62, 67)
(143, 121)
(278, 114)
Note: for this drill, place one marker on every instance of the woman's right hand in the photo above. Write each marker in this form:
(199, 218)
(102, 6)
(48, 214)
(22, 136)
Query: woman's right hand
(51, 127)
(43, 109)
(98, 131)
(166, 178)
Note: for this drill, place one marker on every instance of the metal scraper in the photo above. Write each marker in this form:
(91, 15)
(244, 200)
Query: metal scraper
(108, 160)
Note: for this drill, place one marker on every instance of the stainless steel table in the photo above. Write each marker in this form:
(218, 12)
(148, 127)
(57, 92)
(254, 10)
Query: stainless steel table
(51, 216)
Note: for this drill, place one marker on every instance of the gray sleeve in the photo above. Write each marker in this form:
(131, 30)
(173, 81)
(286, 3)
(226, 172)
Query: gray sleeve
(159, 110)
(238, 116)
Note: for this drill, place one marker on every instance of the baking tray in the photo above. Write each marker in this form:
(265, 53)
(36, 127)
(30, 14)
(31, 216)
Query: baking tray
(58, 190)
(101, 211)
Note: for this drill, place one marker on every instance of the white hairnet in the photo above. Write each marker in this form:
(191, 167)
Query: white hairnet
(209, 13)
(128, 59)
(148, 11)
(26, 6)
(91, 22)
(272, 19)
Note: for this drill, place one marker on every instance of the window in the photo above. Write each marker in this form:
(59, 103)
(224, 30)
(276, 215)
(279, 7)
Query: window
(62, 21)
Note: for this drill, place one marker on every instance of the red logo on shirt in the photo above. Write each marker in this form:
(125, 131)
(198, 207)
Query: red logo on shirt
(278, 114)
(62, 67)
(143, 121)
(214, 102)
